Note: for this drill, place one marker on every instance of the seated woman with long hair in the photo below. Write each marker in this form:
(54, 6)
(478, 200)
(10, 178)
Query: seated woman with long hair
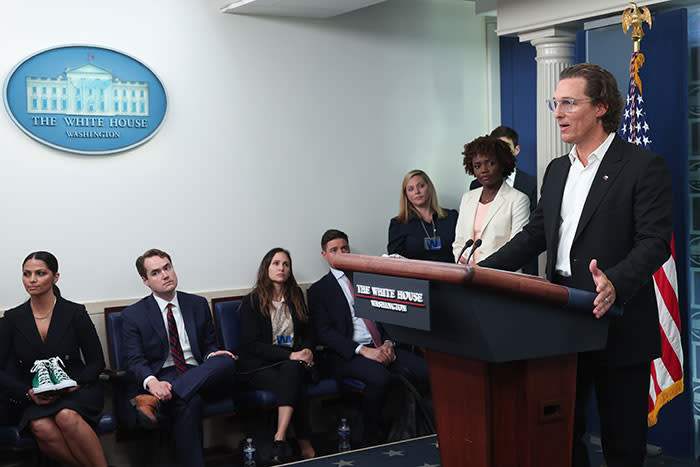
(58, 388)
(423, 229)
(275, 350)
(494, 212)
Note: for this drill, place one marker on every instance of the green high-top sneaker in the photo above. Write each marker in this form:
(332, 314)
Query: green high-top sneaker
(42, 379)
(59, 377)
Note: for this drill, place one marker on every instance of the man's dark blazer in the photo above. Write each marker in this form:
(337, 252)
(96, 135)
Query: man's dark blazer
(524, 182)
(255, 348)
(71, 330)
(626, 224)
(331, 317)
(145, 338)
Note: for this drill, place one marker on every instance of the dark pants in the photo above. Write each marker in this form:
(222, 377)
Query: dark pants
(623, 397)
(210, 380)
(622, 393)
(288, 382)
(378, 378)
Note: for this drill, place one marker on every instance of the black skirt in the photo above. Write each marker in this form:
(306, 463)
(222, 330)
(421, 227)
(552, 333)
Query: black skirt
(87, 400)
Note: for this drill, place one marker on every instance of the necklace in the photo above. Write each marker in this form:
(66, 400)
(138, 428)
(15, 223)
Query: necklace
(485, 200)
(426, 230)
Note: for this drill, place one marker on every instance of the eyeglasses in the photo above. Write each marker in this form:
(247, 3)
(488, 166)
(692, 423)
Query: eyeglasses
(566, 105)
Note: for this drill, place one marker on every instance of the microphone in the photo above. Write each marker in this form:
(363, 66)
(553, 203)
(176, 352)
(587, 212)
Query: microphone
(467, 244)
(477, 244)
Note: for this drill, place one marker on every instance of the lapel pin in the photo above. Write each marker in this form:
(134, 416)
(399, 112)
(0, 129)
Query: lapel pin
(605, 177)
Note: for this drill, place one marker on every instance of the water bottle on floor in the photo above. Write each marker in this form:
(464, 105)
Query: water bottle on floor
(249, 453)
(344, 435)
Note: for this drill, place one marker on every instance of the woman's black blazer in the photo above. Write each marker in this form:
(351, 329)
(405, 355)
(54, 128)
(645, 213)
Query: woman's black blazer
(255, 348)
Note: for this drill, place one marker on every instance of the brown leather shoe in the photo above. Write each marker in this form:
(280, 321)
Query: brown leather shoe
(146, 406)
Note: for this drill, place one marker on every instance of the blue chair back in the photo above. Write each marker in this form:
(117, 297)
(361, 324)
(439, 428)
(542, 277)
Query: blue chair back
(228, 323)
(114, 331)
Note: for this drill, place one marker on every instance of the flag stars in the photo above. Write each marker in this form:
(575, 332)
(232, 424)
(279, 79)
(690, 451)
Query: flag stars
(392, 453)
(343, 463)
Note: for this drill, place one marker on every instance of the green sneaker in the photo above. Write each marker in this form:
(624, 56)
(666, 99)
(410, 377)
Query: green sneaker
(59, 377)
(42, 379)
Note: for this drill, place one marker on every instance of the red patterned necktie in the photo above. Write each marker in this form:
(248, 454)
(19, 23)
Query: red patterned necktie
(175, 348)
(371, 325)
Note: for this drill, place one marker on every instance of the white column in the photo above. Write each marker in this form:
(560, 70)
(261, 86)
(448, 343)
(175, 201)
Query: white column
(555, 51)
(493, 74)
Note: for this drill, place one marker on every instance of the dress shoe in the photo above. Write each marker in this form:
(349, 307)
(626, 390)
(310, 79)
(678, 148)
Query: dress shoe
(146, 407)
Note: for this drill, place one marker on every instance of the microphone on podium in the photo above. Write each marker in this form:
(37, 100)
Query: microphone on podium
(467, 244)
(477, 244)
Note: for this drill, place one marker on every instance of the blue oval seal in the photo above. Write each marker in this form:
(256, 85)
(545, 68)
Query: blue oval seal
(85, 99)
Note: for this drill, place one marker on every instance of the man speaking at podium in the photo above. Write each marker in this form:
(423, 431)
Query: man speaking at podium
(605, 220)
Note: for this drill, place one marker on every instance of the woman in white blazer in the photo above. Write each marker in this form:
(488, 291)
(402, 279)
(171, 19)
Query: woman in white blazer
(496, 211)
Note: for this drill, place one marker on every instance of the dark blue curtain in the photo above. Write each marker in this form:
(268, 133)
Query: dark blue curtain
(665, 87)
(518, 97)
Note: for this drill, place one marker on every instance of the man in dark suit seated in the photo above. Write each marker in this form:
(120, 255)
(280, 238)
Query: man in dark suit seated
(170, 347)
(361, 349)
(521, 181)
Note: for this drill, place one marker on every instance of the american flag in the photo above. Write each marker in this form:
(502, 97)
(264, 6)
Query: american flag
(666, 380)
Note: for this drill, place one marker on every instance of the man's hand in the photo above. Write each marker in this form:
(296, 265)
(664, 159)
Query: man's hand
(388, 350)
(161, 389)
(222, 352)
(379, 355)
(303, 355)
(606, 290)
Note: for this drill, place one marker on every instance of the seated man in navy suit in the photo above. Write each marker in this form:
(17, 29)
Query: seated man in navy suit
(170, 347)
(361, 349)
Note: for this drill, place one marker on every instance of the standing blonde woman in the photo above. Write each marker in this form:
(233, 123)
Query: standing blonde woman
(423, 229)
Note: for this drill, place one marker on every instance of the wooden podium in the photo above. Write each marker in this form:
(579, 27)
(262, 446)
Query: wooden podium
(501, 351)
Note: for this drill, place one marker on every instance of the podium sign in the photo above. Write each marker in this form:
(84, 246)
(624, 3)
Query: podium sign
(393, 300)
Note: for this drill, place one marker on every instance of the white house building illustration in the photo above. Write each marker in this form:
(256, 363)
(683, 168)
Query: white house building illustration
(88, 89)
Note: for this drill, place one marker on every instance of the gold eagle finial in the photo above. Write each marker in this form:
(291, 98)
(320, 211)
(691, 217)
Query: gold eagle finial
(634, 16)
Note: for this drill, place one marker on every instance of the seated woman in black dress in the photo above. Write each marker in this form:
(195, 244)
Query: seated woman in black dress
(39, 334)
(275, 350)
(422, 230)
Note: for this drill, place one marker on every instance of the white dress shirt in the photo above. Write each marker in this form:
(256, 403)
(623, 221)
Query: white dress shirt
(510, 179)
(182, 333)
(578, 184)
(360, 333)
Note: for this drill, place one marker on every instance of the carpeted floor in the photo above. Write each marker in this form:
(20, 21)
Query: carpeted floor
(422, 452)
(417, 452)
